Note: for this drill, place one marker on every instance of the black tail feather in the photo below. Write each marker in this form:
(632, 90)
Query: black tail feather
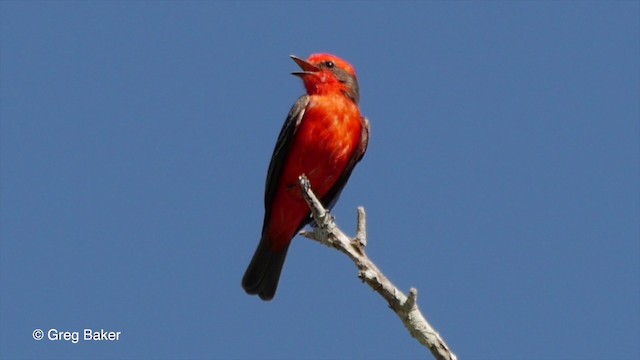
(263, 273)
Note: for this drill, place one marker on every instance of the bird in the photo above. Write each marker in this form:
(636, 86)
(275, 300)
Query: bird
(323, 137)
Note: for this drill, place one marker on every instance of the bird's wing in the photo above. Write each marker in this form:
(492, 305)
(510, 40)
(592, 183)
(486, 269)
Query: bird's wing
(281, 151)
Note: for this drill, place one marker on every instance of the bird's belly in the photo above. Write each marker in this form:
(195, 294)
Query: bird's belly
(323, 146)
(322, 150)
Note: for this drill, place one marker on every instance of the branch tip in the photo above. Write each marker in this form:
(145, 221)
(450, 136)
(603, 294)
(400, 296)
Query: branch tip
(304, 182)
(411, 299)
(361, 232)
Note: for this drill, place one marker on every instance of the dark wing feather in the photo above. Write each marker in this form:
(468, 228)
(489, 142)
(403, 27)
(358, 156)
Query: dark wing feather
(263, 273)
(280, 152)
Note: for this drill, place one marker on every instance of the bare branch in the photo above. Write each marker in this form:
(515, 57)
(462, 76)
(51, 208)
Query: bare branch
(406, 308)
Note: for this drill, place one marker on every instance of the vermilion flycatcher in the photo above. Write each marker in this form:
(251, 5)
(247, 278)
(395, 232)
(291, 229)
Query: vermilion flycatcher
(323, 137)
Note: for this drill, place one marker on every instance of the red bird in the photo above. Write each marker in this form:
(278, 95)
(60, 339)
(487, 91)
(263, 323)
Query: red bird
(323, 137)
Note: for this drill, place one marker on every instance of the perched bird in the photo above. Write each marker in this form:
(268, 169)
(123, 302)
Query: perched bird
(323, 137)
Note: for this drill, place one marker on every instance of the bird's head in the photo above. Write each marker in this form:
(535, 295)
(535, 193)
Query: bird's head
(325, 74)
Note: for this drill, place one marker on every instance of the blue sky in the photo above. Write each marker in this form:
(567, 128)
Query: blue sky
(501, 179)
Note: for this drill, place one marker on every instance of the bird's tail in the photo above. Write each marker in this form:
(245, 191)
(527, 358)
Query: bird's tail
(263, 273)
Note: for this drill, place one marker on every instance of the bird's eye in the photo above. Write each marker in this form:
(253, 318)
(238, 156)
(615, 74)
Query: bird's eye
(329, 64)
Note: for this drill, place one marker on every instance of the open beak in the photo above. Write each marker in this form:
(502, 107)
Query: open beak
(307, 68)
